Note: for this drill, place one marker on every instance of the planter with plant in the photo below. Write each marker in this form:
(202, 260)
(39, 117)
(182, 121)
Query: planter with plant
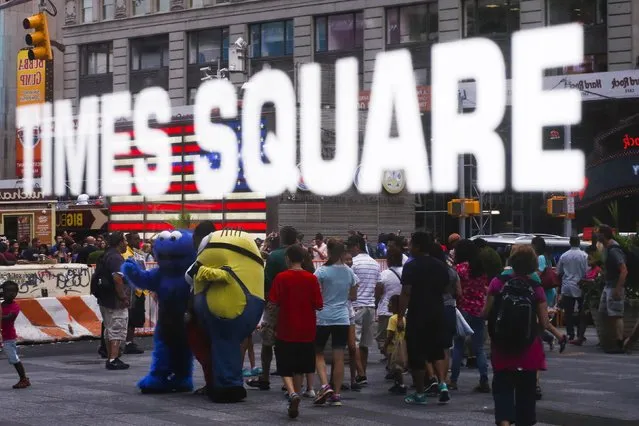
(630, 246)
(184, 221)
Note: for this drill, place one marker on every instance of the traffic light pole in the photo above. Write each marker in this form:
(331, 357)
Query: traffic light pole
(567, 146)
(462, 173)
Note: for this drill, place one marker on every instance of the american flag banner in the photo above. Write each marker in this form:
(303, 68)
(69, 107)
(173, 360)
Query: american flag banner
(242, 208)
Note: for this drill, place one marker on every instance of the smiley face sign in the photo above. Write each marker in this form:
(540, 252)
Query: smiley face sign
(36, 136)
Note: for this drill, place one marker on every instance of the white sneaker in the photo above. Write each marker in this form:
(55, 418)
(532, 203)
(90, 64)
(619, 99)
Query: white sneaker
(309, 393)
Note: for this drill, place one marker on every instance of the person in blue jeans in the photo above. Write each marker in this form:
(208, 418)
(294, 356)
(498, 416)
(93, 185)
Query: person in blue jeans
(474, 286)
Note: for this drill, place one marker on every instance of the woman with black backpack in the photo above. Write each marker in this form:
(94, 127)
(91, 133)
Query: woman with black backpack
(516, 310)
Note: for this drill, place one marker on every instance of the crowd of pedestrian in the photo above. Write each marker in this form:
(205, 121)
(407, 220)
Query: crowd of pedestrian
(432, 310)
(429, 312)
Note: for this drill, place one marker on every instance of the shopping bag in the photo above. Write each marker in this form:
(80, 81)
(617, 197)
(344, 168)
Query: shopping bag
(399, 357)
(463, 329)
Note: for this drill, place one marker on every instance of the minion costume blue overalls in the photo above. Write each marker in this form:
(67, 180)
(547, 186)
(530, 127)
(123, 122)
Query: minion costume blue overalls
(228, 283)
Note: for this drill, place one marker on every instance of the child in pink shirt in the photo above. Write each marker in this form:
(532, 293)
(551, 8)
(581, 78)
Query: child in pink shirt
(10, 311)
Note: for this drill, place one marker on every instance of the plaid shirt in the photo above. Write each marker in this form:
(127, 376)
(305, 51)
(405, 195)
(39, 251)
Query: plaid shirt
(140, 258)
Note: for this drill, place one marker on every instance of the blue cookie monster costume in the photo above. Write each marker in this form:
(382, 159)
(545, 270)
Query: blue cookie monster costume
(228, 281)
(172, 362)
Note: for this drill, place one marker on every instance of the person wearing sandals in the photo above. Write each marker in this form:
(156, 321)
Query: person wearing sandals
(515, 371)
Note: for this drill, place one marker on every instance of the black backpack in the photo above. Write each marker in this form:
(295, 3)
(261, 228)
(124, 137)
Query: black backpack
(513, 321)
(101, 282)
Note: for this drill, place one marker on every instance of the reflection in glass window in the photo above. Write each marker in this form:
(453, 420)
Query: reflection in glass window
(191, 96)
(108, 9)
(339, 32)
(421, 76)
(87, 10)
(207, 46)
(148, 54)
(140, 7)
(162, 5)
(491, 17)
(587, 12)
(592, 14)
(272, 39)
(96, 59)
(412, 24)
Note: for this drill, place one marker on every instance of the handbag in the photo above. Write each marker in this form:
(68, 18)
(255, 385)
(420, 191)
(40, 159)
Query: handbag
(399, 357)
(549, 278)
(463, 329)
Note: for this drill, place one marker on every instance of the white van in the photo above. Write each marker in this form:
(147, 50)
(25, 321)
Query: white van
(502, 243)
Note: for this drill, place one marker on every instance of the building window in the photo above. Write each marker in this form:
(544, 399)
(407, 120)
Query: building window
(271, 39)
(587, 12)
(592, 15)
(140, 7)
(196, 4)
(191, 95)
(208, 45)
(108, 9)
(339, 32)
(412, 24)
(87, 10)
(96, 59)
(149, 54)
(162, 5)
(491, 17)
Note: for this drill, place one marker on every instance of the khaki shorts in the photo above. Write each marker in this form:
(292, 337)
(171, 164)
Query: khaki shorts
(364, 323)
(116, 322)
(269, 323)
(609, 306)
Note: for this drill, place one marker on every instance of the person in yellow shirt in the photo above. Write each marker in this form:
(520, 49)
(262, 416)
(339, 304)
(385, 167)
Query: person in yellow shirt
(395, 347)
(137, 311)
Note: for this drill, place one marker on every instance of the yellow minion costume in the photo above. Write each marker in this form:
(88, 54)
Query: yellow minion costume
(228, 286)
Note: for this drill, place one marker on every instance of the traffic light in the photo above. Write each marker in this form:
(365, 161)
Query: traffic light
(39, 39)
(464, 207)
(455, 207)
(557, 206)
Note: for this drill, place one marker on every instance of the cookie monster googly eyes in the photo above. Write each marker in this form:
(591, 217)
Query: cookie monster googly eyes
(164, 235)
(175, 235)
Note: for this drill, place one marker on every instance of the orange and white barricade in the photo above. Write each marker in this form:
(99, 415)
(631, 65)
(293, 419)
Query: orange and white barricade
(55, 319)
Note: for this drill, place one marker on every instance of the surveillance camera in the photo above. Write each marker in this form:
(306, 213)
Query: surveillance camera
(240, 43)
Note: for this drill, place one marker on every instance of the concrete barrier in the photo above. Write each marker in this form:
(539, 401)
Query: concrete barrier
(70, 312)
(46, 280)
(56, 319)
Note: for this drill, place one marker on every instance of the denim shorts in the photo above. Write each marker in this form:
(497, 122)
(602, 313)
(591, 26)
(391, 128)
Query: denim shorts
(11, 349)
(609, 306)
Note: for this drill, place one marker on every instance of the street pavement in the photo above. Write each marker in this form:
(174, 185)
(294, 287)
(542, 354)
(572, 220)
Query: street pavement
(70, 386)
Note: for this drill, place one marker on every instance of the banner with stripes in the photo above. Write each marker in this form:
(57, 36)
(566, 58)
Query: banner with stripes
(242, 209)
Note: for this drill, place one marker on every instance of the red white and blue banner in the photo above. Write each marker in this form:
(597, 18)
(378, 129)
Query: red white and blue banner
(242, 209)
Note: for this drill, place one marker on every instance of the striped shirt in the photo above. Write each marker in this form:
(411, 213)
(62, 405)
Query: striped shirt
(367, 270)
